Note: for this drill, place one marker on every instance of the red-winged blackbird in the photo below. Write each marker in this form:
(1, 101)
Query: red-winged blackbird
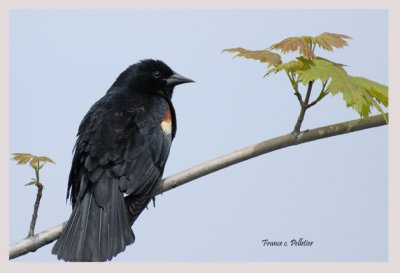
(122, 146)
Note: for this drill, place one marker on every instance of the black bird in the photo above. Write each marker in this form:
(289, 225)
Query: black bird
(122, 146)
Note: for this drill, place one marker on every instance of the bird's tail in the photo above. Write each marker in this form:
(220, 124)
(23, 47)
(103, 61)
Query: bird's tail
(94, 232)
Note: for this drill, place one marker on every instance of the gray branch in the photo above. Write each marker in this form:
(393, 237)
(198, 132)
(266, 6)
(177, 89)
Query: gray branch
(46, 237)
(33, 243)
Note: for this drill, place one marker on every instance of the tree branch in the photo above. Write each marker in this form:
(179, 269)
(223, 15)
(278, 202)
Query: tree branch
(304, 107)
(33, 243)
(36, 241)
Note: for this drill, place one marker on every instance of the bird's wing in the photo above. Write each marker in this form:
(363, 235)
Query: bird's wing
(127, 146)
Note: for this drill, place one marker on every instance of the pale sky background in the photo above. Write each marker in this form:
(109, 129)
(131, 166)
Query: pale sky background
(332, 191)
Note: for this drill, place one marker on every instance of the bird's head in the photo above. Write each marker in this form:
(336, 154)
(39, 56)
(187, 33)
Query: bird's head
(153, 76)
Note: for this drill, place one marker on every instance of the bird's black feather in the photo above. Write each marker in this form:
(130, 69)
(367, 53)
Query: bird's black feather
(120, 150)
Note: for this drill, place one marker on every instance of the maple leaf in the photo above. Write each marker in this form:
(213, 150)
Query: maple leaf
(302, 44)
(328, 40)
(305, 44)
(319, 69)
(36, 162)
(300, 63)
(43, 159)
(22, 158)
(264, 56)
(377, 90)
(358, 93)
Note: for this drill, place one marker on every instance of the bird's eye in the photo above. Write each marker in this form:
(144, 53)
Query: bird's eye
(157, 74)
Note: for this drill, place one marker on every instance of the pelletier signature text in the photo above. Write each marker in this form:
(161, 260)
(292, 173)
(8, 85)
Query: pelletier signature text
(293, 242)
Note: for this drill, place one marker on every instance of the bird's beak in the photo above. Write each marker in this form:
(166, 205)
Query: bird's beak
(176, 79)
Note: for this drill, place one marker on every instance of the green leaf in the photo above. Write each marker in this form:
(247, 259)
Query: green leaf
(320, 69)
(33, 182)
(377, 90)
(264, 56)
(358, 93)
(293, 66)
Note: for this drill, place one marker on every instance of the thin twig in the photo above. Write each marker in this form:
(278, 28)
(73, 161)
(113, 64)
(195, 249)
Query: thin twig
(32, 244)
(299, 97)
(321, 95)
(295, 84)
(37, 202)
(303, 109)
(35, 210)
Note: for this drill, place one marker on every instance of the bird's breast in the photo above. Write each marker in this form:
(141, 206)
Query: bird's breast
(166, 123)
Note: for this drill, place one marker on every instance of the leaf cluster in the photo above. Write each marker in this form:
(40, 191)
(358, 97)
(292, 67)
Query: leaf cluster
(36, 162)
(359, 93)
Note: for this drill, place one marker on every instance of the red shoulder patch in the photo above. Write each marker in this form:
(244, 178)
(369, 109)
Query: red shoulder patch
(166, 124)
(167, 117)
